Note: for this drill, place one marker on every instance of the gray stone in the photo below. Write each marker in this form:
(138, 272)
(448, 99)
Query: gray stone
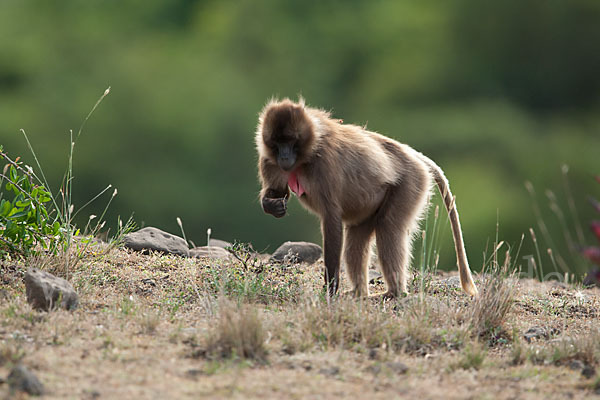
(452, 282)
(374, 275)
(22, 380)
(297, 252)
(397, 367)
(330, 371)
(46, 291)
(209, 252)
(392, 366)
(219, 243)
(194, 373)
(374, 354)
(535, 333)
(588, 371)
(150, 238)
(576, 365)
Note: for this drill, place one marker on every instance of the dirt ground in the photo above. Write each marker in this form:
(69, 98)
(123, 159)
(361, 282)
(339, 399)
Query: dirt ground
(164, 327)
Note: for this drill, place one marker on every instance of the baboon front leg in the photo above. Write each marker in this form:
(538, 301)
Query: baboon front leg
(356, 255)
(332, 248)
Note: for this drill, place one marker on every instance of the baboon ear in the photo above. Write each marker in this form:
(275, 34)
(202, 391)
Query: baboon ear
(301, 102)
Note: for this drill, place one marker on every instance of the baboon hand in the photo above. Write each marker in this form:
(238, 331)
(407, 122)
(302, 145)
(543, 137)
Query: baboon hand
(275, 207)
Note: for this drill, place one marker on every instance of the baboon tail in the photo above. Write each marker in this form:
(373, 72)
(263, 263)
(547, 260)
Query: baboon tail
(466, 280)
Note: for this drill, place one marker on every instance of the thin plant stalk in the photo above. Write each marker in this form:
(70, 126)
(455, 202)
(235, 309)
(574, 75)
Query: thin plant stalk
(91, 201)
(571, 203)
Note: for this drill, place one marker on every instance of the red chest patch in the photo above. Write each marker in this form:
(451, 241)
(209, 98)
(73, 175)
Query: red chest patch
(294, 183)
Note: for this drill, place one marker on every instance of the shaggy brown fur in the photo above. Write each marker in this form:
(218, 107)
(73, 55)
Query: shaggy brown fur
(359, 183)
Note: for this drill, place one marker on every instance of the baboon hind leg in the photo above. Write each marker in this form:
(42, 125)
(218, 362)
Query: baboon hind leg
(357, 251)
(394, 227)
(393, 249)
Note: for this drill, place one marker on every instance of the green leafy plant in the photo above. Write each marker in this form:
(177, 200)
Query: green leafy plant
(34, 219)
(25, 222)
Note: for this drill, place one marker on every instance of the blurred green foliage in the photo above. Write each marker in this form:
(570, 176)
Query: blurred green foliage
(496, 92)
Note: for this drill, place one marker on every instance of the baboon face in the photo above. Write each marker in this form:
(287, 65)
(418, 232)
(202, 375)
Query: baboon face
(287, 155)
(287, 130)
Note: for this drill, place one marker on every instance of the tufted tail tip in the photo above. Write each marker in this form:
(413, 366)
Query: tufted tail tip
(470, 288)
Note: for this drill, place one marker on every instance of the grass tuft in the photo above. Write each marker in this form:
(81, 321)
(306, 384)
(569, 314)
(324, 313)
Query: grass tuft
(489, 309)
(584, 347)
(472, 356)
(238, 333)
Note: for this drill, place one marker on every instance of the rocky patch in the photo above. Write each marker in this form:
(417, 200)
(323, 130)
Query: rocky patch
(210, 252)
(46, 291)
(298, 252)
(374, 276)
(219, 243)
(150, 238)
(21, 379)
(536, 333)
(395, 367)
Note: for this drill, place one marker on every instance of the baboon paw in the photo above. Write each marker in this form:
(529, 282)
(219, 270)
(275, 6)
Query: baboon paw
(275, 207)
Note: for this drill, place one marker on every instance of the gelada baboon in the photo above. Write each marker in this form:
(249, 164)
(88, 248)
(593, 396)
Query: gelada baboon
(359, 183)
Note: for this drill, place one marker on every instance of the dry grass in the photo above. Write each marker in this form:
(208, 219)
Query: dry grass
(582, 347)
(238, 333)
(489, 310)
(472, 357)
(156, 326)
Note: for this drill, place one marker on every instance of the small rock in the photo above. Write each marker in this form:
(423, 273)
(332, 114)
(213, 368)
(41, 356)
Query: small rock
(375, 369)
(149, 281)
(535, 333)
(452, 282)
(374, 275)
(303, 252)
(289, 364)
(209, 252)
(576, 365)
(150, 238)
(330, 371)
(194, 373)
(306, 365)
(219, 243)
(392, 366)
(373, 354)
(45, 291)
(397, 367)
(588, 371)
(21, 379)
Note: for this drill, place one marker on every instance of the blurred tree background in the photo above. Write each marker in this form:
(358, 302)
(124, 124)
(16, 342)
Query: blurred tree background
(496, 92)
